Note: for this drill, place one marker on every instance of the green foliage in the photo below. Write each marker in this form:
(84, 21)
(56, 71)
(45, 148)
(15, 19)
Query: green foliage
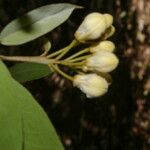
(23, 72)
(36, 23)
(23, 123)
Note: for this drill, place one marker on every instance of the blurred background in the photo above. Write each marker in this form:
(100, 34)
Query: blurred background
(121, 118)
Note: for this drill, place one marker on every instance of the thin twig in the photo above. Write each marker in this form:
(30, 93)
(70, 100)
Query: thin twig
(55, 53)
(34, 59)
(79, 58)
(56, 68)
(78, 54)
(66, 49)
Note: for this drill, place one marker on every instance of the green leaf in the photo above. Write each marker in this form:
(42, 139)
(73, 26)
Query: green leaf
(36, 23)
(23, 72)
(23, 123)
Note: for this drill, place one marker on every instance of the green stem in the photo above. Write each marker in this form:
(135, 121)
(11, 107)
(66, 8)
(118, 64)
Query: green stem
(56, 68)
(79, 58)
(66, 63)
(63, 49)
(34, 59)
(66, 49)
(78, 53)
(55, 53)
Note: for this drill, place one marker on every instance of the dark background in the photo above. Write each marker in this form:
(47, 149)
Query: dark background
(121, 118)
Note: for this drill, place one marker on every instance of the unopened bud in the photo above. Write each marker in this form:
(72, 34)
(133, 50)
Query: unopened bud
(91, 84)
(107, 76)
(103, 46)
(109, 32)
(46, 44)
(109, 19)
(93, 26)
(101, 61)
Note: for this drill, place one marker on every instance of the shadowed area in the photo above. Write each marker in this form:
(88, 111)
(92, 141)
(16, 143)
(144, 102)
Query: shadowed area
(118, 120)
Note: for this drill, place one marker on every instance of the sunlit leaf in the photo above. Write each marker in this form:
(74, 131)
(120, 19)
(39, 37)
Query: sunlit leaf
(23, 123)
(36, 23)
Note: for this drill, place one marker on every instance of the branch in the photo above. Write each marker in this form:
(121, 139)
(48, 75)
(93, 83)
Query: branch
(34, 59)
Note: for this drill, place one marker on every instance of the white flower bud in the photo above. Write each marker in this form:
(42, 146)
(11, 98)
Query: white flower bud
(91, 84)
(102, 46)
(109, 19)
(93, 26)
(101, 61)
(109, 32)
(107, 76)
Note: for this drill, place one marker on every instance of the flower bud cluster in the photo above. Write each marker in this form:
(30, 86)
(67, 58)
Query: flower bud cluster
(102, 60)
